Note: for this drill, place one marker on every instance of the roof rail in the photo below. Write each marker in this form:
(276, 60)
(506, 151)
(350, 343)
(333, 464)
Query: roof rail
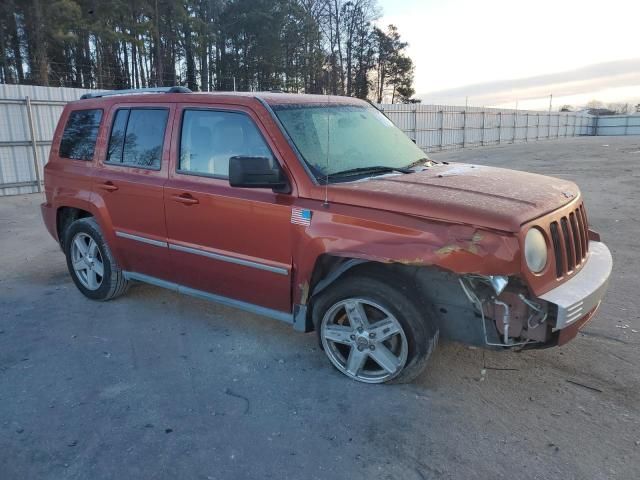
(133, 91)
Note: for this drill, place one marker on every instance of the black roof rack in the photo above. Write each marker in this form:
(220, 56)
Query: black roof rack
(133, 91)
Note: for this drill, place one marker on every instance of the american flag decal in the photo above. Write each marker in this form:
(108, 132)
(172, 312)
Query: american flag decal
(301, 216)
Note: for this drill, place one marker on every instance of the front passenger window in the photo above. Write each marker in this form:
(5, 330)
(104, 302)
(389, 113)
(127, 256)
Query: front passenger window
(210, 138)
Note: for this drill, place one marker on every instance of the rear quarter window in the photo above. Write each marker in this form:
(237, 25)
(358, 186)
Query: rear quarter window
(80, 133)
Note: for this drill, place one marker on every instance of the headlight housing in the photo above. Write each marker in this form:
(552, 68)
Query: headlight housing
(535, 250)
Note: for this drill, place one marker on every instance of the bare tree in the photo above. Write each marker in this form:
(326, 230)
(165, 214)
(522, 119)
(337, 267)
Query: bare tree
(619, 107)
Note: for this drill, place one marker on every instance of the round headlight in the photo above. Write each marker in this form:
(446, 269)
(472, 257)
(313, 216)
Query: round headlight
(535, 250)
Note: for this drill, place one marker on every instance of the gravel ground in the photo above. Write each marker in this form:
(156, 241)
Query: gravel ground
(157, 385)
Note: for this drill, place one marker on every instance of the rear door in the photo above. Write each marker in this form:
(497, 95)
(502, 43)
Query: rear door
(232, 242)
(129, 183)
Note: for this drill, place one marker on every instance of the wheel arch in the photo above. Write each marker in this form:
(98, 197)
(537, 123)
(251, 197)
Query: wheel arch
(65, 216)
(69, 210)
(434, 288)
(329, 268)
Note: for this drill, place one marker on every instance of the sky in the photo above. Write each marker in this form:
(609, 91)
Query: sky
(499, 52)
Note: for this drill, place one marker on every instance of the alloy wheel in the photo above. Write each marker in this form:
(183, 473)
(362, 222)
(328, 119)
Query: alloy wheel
(364, 340)
(86, 260)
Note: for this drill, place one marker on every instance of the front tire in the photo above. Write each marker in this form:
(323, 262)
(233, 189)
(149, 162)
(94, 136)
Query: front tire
(374, 332)
(91, 264)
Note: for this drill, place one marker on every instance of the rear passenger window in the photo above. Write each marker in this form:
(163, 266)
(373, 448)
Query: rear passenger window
(137, 137)
(80, 134)
(210, 138)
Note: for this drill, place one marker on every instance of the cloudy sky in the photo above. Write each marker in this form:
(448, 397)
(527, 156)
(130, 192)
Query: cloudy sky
(498, 52)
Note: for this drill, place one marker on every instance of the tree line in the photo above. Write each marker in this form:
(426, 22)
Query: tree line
(312, 46)
(600, 108)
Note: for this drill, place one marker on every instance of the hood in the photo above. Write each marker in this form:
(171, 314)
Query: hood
(490, 197)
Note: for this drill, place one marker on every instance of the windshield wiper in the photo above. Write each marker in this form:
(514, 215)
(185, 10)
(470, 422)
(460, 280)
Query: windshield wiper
(373, 170)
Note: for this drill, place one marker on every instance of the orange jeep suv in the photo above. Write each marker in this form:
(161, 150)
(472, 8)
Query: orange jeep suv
(319, 212)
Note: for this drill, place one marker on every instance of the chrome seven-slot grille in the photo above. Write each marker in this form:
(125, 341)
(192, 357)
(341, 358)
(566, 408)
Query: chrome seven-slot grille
(570, 240)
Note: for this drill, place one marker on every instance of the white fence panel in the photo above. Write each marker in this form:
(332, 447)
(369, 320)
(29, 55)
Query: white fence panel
(618, 125)
(442, 127)
(20, 147)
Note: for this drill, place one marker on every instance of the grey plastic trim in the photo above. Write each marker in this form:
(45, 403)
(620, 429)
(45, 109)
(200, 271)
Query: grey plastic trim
(301, 320)
(231, 302)
(137, 238)
(226, 258)
(333, 276)
(583, 292)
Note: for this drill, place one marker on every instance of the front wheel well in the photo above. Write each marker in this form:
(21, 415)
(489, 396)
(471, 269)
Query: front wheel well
(329, 268)
(65, 216)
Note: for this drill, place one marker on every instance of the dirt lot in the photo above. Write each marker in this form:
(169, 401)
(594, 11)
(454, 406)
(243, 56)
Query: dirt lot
(156, 385)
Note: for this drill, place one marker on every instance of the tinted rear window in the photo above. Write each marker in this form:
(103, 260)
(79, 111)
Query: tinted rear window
(80, 134)
(137, 137)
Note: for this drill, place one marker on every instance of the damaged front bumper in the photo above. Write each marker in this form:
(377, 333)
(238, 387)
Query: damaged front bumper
(577, 299)
(511, 317)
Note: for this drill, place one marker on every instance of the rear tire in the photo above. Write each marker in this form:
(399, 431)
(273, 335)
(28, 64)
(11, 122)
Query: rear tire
(91, 264)
(374, 332)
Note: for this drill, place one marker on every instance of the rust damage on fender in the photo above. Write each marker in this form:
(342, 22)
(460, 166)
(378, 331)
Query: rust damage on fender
(469, 246)
(456, 248)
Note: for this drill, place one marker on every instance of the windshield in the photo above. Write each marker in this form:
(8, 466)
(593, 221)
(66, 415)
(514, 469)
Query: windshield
(358, 137)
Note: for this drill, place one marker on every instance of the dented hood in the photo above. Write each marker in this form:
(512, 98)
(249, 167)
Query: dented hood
(490, 197)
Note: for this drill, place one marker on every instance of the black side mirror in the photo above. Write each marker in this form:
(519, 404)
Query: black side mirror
(257, 172)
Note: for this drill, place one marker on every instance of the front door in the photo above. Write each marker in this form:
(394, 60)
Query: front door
(232, 242)
(129, 183)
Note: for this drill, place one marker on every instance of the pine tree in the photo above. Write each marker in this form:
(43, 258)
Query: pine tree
(313, 46)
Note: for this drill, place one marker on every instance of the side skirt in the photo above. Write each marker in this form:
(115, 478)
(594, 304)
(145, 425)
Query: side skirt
(231, 302)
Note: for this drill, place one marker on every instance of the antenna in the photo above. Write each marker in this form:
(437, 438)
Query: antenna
(326, 182)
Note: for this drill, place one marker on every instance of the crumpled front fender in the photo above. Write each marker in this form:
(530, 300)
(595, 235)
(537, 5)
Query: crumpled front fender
(408, 240)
